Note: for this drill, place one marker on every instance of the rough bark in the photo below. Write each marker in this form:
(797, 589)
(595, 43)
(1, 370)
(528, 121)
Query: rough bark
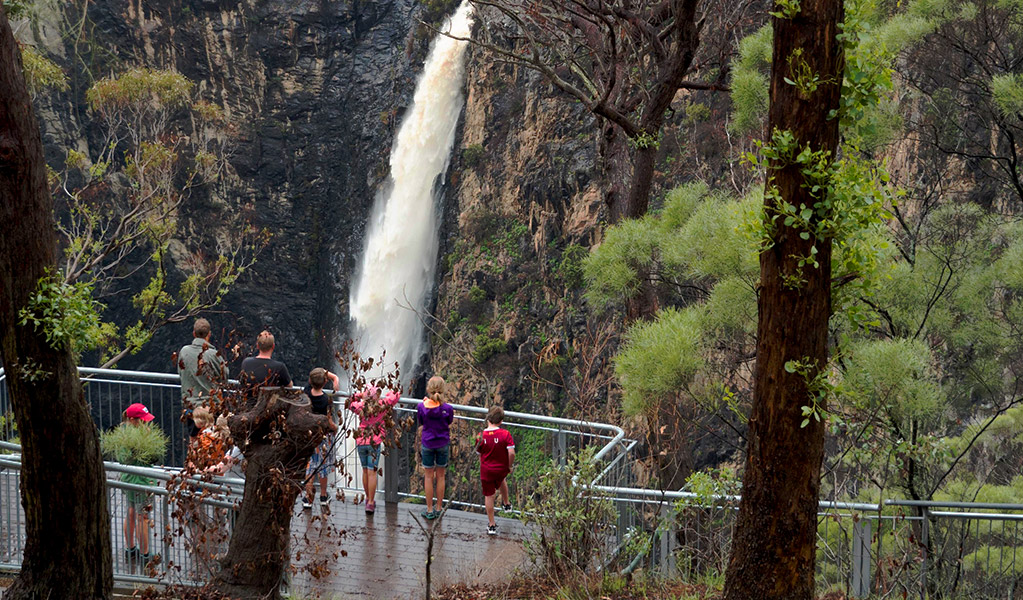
(774, 545)
(279, 435)
(67, 547)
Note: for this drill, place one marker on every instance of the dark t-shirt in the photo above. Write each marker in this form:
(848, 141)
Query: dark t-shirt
(258, 372)
(320, 404)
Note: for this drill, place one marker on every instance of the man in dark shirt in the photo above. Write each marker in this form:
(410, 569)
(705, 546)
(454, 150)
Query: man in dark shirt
(263, 370)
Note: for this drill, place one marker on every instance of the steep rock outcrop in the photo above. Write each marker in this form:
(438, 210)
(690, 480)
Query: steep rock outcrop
(314, 90)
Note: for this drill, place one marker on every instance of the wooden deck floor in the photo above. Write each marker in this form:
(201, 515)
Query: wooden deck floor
(386, 552)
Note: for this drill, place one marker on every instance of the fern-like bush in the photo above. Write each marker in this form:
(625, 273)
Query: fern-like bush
(140, 445)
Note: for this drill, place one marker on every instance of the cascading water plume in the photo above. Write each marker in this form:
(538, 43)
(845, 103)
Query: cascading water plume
(400, 254)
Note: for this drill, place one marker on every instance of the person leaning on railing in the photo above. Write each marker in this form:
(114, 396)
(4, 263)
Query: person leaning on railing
(200, 367)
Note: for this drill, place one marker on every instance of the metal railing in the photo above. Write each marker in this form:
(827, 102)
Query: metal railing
(182, 538)
(894, 549)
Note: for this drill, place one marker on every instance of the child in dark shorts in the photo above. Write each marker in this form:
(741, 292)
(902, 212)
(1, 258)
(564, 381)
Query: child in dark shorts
(497, 455)
(323, 460)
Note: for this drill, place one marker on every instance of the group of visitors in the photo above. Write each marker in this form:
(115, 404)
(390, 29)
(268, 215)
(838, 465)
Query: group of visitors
(202, 369)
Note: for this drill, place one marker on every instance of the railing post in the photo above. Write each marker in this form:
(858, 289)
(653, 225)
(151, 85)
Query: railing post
(390, 471)
(560, 447)
(861, 558)
(667, 528)
(165, 559)
(925, 530)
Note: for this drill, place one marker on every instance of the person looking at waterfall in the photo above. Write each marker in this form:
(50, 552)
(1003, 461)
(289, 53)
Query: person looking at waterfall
(435, 415)
(323, 460)
(200, 367)
(372, 411)
(262, 370)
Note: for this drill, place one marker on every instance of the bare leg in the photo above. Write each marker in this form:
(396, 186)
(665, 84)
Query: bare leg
(143, 532)
(440, 486)
(370, 483)
(323, 486)
(504, 491)
(129, 528)
(429, 488)
(489, 501)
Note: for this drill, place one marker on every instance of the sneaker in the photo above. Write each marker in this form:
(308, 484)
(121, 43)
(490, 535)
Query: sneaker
(131, 554)
(371, 507)
(306, 503)
(491, 529)
(426, 514)
(506, 507)
(324, 501)
(146, 558)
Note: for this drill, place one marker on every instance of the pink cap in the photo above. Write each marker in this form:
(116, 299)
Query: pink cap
(139, 411)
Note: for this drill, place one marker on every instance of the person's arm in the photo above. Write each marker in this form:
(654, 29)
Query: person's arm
(511, 452)
(335, 380)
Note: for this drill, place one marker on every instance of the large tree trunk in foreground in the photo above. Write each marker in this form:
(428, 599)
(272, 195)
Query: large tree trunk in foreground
(67, 550)
(775, 537)
(277, 436)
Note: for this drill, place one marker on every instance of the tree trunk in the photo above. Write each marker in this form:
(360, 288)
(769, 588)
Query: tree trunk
(67, 525)
(773, 549)
(278, 435)
(642, 181)
(616, 165)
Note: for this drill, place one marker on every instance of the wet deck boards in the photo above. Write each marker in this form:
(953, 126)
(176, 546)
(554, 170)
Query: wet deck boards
(386, 552)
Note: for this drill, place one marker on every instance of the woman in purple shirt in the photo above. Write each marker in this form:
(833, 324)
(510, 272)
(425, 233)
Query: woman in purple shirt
(435, 415)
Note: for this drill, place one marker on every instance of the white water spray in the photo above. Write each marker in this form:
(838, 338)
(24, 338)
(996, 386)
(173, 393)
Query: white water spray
(400, 254)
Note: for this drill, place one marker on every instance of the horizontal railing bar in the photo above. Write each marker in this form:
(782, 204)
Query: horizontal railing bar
(981, 516)
(938, 504)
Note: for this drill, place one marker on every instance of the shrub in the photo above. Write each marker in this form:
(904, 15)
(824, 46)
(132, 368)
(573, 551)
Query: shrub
(472, 156)
(573, 524)
(487, 346)
(142, 445)
(570, 267)
(476, 294)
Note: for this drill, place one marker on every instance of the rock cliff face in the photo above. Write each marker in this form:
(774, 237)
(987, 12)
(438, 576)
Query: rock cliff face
(314, 90)
(523, 206)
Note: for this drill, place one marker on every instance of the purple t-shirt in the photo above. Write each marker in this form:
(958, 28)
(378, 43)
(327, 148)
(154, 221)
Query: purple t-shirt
(436, 424)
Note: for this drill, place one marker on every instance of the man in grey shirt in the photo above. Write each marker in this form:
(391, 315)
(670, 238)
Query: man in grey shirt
(200, 367)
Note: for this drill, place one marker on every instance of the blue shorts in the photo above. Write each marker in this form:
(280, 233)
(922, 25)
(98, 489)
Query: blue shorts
(369, 456)
(322, 461)
(436, 457)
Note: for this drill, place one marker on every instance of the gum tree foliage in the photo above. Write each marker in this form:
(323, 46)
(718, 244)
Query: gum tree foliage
(625, 61)
(119, 210)
(924, 382)
(971, 67)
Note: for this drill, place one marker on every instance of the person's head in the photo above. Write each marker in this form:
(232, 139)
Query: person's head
(318, 378)
(138, 413)
(435, 389)
(203, 417)
(265, 342)
(201, 329)
(495, 416)
(221, 428)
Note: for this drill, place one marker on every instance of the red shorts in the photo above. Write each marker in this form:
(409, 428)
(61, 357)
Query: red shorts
(491, 480)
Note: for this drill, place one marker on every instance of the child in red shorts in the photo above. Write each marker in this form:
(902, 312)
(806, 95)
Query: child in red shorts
(497, 454)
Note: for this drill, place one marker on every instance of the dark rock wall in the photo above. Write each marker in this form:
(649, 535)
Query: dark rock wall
(314, 89)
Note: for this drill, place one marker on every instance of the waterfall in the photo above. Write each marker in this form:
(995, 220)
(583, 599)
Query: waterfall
(400, 253)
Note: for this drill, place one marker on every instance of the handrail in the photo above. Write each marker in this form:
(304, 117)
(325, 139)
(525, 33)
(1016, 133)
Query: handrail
(940, 504)
(617, 433)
